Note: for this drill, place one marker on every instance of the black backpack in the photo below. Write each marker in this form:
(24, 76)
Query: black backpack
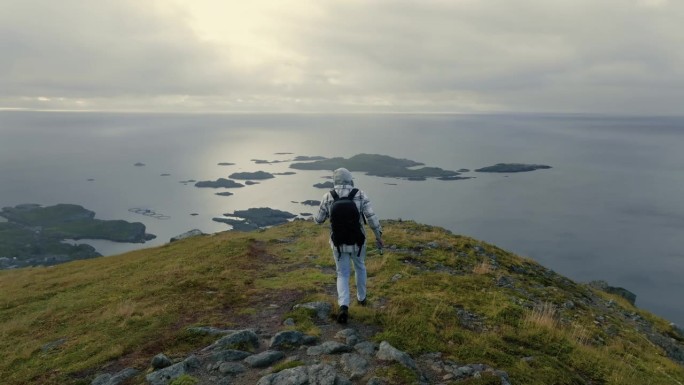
(345, 221)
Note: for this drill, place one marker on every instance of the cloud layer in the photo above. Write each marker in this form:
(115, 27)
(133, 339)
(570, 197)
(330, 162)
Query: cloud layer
(613, 56)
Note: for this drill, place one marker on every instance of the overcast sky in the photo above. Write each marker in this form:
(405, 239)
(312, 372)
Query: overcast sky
(605, 56)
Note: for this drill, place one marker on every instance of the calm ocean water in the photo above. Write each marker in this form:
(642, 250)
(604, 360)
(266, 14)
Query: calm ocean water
(610, 208)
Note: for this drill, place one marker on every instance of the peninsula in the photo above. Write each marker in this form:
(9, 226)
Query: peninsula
(34, 235)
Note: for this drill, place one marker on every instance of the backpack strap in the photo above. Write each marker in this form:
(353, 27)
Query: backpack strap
(334, 195)
(352, 193)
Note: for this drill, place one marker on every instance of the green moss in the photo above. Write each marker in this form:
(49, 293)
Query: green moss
(287, 365)
(184, 380)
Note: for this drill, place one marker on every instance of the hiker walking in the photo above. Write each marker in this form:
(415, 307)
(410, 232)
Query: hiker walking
(348, 209)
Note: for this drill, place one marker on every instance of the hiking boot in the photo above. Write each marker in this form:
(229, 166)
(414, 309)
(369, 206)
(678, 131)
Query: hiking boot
(362, 303)
(343, 314)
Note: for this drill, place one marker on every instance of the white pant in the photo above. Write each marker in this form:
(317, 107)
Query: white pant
(343, 264)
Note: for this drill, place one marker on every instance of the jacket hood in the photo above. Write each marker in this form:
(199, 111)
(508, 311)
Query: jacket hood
(342, 176)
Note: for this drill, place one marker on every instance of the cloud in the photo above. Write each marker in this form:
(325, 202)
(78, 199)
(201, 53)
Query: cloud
(104, 48)
(614, 56)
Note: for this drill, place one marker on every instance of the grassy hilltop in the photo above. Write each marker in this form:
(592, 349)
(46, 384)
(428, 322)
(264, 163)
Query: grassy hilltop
(431, 291)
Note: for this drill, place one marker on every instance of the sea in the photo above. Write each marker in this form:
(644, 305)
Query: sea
(610, 208)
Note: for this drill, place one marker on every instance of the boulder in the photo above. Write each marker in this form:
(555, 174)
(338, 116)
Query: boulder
(237, 340)
(166, 375)
(161, 361)
(321, 374)
(387, 352)
(264, 359)
(290, 338)
(115, 379)
(323, 309)
(328, 347)
(355, 365)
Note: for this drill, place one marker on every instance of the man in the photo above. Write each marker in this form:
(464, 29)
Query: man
(348, 252)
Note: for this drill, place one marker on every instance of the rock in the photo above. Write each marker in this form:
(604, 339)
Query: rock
(53, 345)
(264, 359)
(231, 368)
(396, 277)
(366, 348)
(387, 352)
(322, 309)
(258, 175)
(309, 340)
(289, 322)
(328, 347)
(355, 365)
(161, 361)
(622, 292)
(116, 379)
(228, 355)
(321, 374)
(433, 245)
(376, 381)
(350, 336)
(239, 339)
(187, 234)
(287, 339)
(166, 375)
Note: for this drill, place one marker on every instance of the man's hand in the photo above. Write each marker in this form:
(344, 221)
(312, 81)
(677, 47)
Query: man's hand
(379, 244)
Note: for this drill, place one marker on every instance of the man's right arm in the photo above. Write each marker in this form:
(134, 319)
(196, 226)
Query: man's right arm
(322, 214)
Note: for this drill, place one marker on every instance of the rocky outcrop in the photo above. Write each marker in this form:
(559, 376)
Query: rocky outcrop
(187, 234)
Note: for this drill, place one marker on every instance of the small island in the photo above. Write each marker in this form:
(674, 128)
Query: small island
(139, 164)
(257, 175)
(512, 167)
(311, 202)
(219, 183)
(224, 193)
(378, 165)
(324, 185)
(308, 158)
(255, 218)
(34, 235)
(226, 164)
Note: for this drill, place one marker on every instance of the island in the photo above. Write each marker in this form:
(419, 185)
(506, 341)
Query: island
(34, 235)
(264, 161)
(165, 174)
(251, 183)
(226, 164)
(224, 193)
(311, 202)
(324, 185)
(139, 164)
(378, 165)
(512, 167)
(308, 158)
(219, 183)
(255, 218)
(285, 173)
(258, 175)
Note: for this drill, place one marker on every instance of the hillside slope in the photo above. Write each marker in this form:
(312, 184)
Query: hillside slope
(430, 292)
